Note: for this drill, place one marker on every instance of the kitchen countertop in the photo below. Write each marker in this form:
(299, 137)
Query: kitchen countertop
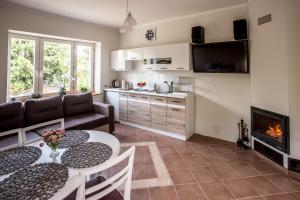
(181, 95)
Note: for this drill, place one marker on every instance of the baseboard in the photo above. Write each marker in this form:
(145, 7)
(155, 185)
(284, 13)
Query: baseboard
(166, 133)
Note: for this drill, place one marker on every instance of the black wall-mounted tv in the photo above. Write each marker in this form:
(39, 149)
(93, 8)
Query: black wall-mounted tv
(221, 57)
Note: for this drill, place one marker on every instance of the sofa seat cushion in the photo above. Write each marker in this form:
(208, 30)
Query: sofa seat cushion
(12, 139)
(40, 131)
(85, 121)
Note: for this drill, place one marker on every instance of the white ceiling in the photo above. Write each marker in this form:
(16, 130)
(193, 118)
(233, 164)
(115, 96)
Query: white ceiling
(112, 12)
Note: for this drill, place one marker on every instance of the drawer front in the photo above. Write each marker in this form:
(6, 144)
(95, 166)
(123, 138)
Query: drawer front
(123, 95)
(176, 101)
(139, 113)
(176, 120)
(123, 110)
(144, 97)
(132, 96)
(158, 99)
(158, 117)
(123, 116)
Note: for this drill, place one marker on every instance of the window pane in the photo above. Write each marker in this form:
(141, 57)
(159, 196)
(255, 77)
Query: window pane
(57, 66)
(84, 68)
(21, 67)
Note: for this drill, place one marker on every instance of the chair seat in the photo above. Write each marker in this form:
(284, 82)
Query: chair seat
(114, 195)
(85, 121)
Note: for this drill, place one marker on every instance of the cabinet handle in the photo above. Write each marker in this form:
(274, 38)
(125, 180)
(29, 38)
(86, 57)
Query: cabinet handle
(175, 109)
(144, 97)
(132, 96)
(176, 101)
(158, 99)
(149, 68)
(163, 68)
(179, 68)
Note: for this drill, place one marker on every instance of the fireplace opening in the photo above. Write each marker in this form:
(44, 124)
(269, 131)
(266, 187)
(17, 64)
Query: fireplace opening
(271, 128)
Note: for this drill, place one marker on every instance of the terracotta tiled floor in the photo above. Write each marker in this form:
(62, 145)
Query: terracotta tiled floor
(207, 169)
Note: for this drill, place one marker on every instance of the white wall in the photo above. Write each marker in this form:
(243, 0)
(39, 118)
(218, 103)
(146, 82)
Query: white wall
(269, 71)
(293, 42)
(275, 48)
(14, 17)
(221, 99)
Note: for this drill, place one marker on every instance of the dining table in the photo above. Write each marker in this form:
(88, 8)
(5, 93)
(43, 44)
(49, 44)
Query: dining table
(73, 173)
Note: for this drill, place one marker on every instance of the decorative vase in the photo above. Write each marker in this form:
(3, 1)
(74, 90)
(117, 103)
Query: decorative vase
(53, 146)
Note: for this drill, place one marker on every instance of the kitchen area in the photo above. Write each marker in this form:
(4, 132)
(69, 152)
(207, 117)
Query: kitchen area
(154, 90)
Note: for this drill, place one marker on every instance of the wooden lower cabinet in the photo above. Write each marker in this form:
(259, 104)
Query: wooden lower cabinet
(139, 112)
(159, 117)
(176, 120)
(123, 107)
(160, 113)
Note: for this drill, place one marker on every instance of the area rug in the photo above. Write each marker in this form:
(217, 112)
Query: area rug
(163, 177)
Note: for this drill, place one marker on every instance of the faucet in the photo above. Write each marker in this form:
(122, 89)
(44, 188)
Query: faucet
(170, 86)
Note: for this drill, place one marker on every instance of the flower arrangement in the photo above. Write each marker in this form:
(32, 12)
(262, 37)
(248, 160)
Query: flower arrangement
(52, 138)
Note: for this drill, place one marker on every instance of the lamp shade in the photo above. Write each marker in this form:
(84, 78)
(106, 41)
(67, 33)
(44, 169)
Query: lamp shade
(130, 20)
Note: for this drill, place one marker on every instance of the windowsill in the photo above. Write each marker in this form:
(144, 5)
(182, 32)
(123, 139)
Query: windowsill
(25, 98)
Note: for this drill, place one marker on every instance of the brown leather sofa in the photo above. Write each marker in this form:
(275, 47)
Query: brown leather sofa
(78, 110)
(11, 117)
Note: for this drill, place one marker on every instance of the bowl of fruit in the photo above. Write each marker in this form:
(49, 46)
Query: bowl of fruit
(141, 84)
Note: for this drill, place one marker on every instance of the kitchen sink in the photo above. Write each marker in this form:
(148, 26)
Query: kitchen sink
(163, 92)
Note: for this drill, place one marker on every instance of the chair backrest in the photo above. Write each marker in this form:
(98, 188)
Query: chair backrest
(75, 104)
(122, 177)
(41, 110)
(11, 122)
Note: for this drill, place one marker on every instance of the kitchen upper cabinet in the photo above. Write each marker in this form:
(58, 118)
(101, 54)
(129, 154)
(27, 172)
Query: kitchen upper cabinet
(119, 62)
(180, 56)
(149, 58)
(134, 54)
(163, 57)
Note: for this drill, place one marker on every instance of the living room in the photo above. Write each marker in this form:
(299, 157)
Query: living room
(200, 160)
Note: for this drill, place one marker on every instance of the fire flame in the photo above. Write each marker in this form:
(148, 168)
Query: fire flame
(275, 131)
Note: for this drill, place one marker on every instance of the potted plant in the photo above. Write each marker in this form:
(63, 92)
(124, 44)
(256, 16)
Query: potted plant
(63, 81)
(83, 89)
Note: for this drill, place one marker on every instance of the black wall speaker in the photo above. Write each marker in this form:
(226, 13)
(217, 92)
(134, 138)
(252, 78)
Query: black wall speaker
(240, 29)
(198, 34)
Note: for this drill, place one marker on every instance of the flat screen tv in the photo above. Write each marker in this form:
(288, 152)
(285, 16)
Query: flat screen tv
(221, 57)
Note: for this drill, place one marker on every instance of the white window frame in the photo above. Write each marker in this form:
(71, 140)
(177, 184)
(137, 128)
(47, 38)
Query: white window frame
(36, 62)
(39, 62)
(92, 63)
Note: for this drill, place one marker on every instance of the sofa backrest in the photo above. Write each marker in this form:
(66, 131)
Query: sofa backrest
(11, 116)
(75, 104)
(42, 110)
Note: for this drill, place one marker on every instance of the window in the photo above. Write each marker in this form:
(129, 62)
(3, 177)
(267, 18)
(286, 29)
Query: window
(56, 66)
(22, 63)
(41, 65)
(84, 54)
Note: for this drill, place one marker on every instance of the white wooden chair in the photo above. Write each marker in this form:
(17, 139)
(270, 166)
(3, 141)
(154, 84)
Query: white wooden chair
(14, 131)
(36, 126)
(111, 184)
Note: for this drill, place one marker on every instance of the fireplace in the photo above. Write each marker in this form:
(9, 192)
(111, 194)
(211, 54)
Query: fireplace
(271, 128)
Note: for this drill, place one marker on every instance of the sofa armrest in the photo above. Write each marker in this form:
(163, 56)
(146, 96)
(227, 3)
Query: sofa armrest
(108, 110)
